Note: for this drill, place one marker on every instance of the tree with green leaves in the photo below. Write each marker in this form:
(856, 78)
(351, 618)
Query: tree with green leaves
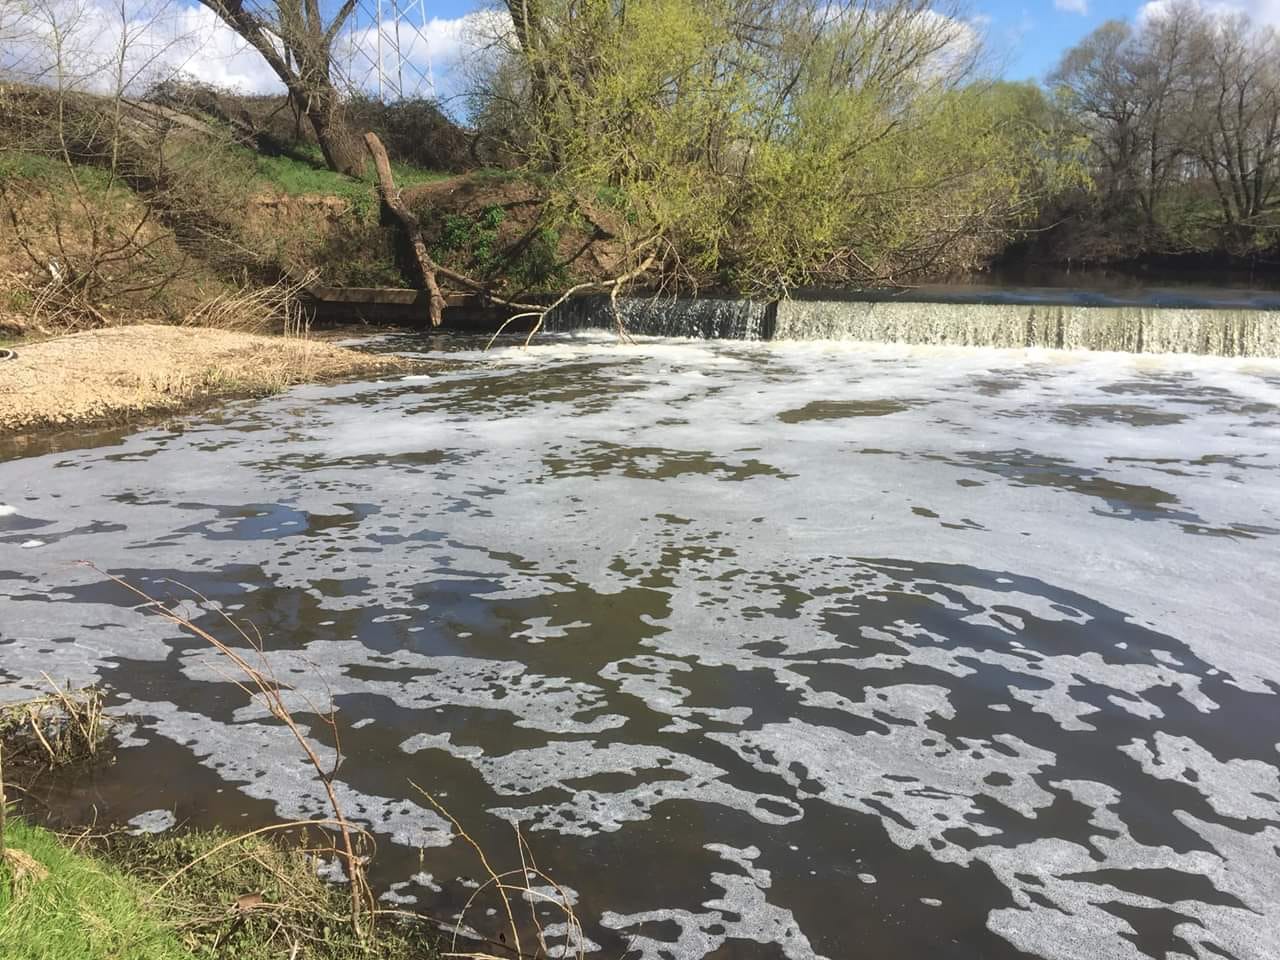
(771, 144)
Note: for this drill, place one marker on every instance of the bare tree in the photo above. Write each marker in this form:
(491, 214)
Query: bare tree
(1098, 80)
(297, 41)
(1237, 126)
(1185, 105)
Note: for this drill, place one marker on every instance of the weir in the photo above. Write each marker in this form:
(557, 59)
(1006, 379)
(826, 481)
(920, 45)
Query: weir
(704, 318)
(1231, 331)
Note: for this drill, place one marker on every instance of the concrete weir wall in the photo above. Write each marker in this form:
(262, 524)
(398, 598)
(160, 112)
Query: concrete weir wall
(1133, 329)
(706, 318)
(1220, 331)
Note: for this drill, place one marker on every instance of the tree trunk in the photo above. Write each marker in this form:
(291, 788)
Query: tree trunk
(339, 146)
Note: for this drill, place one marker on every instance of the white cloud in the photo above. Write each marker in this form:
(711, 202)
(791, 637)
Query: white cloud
(1072, 6)
(1265, 12)
(164, 39)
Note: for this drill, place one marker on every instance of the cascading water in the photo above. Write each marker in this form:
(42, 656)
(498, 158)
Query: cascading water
(707, 319)
(1124, 327)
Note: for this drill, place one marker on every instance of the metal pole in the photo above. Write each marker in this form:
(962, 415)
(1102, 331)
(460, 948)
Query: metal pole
(380, 96)
(395, 5)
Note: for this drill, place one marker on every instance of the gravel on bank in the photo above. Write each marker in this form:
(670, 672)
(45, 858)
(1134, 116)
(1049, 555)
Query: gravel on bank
(115, 374)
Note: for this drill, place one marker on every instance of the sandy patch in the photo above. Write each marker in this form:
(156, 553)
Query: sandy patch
(122, 372)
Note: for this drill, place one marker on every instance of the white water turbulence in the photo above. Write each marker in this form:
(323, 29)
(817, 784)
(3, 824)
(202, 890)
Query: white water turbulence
(1129, 328)
(774, 649)
(1132, 329)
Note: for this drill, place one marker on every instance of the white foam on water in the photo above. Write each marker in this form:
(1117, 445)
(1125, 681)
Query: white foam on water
(153, 821)
(931, 540)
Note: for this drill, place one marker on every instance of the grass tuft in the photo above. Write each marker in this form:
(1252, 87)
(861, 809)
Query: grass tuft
(56, 904)
(206, 895)
(62, 727)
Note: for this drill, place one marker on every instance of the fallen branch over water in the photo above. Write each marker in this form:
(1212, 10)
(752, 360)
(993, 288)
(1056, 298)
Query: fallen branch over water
(430, 272)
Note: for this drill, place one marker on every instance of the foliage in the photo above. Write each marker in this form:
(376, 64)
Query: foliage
(538, 266)
(772, 145)
(79, 909)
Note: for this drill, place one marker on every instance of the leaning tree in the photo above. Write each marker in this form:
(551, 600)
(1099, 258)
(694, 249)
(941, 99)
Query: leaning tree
(297, 42)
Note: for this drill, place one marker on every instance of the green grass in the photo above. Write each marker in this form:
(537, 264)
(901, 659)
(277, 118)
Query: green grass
(178, 896)
(27, 165)
(309, 176)
(83, 909)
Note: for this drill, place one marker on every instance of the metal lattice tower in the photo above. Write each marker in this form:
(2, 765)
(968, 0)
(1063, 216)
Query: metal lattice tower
(385, 50)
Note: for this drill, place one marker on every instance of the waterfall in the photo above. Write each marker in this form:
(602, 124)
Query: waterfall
(1126, 327)
(707, 319)
(1135, 329)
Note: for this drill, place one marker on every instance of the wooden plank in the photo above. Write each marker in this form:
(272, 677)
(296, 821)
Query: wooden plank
(390, 296)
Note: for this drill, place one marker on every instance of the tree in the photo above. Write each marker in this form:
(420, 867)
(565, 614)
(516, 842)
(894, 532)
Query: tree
(1236, 126)
(1183, 116)
(769, 144)
(297, 43)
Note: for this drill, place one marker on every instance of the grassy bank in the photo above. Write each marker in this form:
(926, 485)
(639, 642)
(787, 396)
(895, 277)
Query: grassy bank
(116, 374)
(197, 894)
(57, 904)
(181, 894)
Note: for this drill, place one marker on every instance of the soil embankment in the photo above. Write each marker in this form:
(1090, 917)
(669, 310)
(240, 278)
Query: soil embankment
(115, 374)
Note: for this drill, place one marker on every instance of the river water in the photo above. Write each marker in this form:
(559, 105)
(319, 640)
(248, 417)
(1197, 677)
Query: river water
(774, 649)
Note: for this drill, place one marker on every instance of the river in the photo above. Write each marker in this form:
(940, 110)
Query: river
(774, 649)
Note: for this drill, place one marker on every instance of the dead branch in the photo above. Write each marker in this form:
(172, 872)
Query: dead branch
(395, 203)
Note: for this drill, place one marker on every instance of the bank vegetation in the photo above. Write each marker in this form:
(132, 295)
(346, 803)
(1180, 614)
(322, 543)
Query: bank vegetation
(751, 148)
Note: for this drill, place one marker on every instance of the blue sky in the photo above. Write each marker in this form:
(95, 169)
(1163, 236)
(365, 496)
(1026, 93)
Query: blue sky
(1028, 36)
(1031, 35)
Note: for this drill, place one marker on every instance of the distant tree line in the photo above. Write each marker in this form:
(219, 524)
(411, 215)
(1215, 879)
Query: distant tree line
(1181, 117)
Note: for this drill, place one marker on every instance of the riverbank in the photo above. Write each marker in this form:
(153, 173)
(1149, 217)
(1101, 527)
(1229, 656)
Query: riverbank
(152, 889)
(178, 896)
(117, 374)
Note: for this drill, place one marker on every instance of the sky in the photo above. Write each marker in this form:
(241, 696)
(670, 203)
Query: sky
(1029, 36)
(1026, 38)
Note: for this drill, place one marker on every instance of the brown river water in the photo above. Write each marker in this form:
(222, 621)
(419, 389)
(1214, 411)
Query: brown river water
(807, 649)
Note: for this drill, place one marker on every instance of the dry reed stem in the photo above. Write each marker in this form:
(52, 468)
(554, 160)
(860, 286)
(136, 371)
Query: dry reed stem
(493, 877)
(264, 686)
(253, 309)
(528, 872)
